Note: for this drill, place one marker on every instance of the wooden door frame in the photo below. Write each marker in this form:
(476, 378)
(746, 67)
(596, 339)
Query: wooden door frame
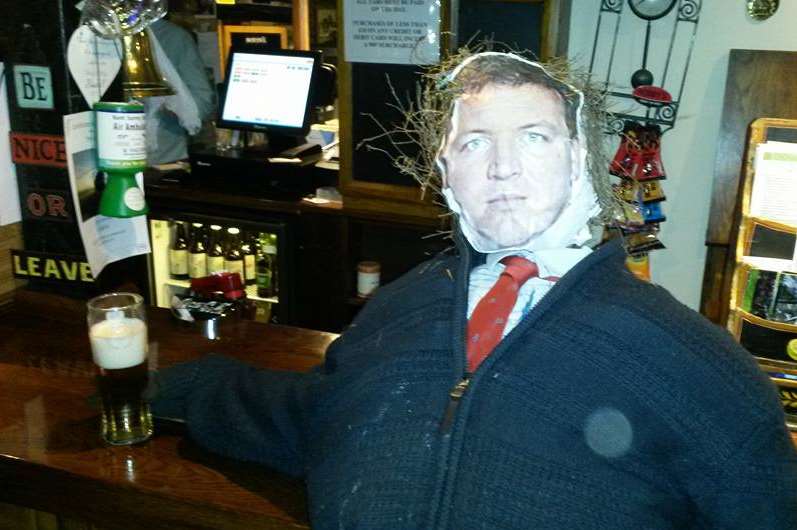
(406, 200)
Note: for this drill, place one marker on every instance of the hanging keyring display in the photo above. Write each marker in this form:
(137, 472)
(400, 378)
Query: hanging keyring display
(653, 92)
(644, 102)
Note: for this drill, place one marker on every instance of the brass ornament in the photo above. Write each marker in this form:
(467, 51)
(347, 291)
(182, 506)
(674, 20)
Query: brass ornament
(142, 78)
(762, 9)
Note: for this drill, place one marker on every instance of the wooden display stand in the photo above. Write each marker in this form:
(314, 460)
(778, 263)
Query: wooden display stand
(761, 249)
(759, 83)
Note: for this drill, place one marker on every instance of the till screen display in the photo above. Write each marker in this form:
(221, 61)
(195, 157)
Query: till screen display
(268, 90)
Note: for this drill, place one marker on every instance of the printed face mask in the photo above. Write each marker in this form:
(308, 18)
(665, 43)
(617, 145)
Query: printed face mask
(512, 167)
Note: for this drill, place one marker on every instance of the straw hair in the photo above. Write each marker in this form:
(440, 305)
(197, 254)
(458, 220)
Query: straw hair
(426, 119)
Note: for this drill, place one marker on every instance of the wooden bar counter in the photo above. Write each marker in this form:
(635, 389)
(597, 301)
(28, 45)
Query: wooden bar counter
(53, 460)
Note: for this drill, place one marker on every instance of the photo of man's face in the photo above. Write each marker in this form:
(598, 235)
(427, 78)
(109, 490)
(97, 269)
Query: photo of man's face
(510, 161)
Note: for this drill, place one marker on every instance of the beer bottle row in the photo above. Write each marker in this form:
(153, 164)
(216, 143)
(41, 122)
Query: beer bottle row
(198, 251)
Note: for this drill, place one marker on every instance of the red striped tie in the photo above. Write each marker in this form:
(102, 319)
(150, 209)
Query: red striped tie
(488, 320)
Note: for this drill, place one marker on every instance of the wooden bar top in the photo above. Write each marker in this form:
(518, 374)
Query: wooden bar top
(52, 458)
(51, 455)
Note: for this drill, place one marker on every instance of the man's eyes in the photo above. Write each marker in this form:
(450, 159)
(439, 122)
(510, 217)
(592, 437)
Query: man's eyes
(532, 137)
(474, 144)
(525, 138)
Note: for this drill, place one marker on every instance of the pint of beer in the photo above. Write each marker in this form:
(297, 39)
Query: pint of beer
(118, 336)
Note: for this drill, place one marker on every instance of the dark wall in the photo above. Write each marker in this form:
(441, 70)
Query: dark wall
(37, 32)
(516, 25)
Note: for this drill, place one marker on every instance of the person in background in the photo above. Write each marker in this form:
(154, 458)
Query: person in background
(172, 118)
(524, 381)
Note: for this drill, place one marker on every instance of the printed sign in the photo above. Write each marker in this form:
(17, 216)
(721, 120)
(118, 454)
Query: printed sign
(392, 31)
(34, 86)
(265, 39)
(105, 239)
(46, 204)
(40, 265)
(38, 149)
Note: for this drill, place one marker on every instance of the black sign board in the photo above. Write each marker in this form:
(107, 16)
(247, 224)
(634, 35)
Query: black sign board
(53, 267)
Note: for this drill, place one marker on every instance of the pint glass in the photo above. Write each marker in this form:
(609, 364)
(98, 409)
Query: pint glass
(118, 336)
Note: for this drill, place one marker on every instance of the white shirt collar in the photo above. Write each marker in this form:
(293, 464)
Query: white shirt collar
(551, 262)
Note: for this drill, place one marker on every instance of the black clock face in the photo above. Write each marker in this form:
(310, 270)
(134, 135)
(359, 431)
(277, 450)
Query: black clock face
(651, 9)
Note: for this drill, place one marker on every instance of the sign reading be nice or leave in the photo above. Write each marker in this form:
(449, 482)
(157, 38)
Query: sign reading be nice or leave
(34, 87)
(38, 149)
(43, 266)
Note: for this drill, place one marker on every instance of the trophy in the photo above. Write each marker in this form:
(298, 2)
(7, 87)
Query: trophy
(127, 20)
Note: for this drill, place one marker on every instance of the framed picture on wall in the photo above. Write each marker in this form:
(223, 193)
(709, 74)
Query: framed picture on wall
(269, 36)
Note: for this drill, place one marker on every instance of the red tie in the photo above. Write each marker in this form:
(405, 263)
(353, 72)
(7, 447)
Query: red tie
(488, 320)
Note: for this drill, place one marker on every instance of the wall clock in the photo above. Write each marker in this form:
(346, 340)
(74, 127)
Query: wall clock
(651, 9)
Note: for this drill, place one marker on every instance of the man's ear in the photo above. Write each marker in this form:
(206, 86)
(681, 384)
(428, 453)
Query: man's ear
(442, 166)
(577, 159)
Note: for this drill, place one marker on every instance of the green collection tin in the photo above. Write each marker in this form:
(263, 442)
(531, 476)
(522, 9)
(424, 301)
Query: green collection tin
(121, 154)
(121, 139)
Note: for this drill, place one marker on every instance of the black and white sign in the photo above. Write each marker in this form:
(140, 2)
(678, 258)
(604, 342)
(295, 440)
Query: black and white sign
(392, 31)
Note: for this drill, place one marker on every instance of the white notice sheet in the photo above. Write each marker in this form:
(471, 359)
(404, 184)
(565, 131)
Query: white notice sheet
(392, 31)
(9, 195)
(774, 195)
(106, 239)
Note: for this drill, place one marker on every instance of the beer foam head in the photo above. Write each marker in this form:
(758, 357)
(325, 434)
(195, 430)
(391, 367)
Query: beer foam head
(118, 342)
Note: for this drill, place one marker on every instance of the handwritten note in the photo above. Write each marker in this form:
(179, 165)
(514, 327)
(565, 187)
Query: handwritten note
(93, 62)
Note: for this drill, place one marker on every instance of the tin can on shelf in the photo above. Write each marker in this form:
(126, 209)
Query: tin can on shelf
(367, 278)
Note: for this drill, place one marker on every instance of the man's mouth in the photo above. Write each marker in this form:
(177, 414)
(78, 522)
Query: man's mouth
(505, 199)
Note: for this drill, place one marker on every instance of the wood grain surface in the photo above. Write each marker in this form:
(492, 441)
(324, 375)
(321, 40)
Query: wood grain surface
(10, 237)
(760, 84)
(51, 455)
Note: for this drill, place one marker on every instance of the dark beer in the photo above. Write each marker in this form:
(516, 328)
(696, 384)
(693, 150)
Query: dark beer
(126, 417)
(118, 337)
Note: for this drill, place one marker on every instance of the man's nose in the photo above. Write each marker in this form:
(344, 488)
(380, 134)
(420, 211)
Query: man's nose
(504, 163)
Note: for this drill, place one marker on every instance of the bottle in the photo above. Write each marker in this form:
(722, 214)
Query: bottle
(249, 250)
(178, 253)
(270, 248)
(263, 275)
(233, 257)
(215, 261)
(197, 252)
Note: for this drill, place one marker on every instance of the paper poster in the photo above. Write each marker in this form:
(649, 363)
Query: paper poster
(9, 194)
(774, 193)
(392, 31)
(106, 239)
(93, 63)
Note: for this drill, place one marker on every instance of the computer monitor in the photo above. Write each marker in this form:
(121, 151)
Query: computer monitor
(271, 91)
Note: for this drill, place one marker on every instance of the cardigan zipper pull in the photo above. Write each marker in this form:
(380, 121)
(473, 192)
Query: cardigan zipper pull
(455, 395)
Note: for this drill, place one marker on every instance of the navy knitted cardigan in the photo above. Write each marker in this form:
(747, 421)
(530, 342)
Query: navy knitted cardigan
(610, 406)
